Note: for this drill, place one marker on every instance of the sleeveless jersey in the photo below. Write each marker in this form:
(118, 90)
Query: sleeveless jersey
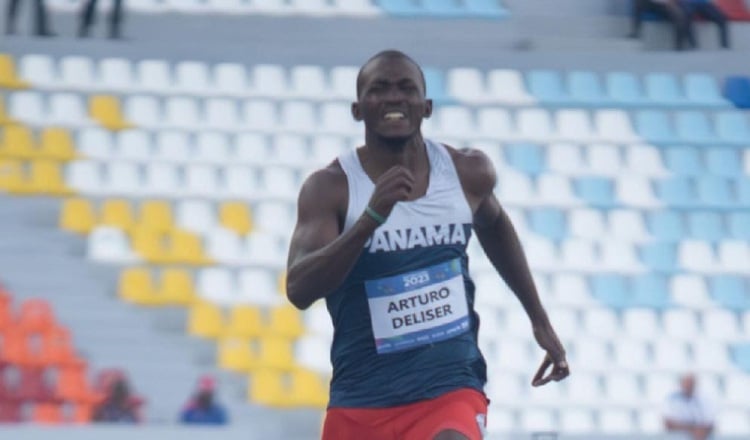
(404, 322)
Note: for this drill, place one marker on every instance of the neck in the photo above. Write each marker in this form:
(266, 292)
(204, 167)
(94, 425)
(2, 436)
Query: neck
(382, 154)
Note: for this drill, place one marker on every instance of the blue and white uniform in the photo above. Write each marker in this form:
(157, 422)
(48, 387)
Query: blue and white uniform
(404, 320)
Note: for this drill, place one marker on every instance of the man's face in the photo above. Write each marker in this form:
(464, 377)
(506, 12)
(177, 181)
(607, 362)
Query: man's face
(688, 385)
(392, 99)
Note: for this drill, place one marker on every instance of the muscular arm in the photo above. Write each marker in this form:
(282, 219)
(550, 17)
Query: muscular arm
(320, 258)
(503, 248)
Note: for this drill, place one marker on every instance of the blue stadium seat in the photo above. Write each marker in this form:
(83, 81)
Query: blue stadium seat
(702, 89)
(443, 8)
(683, 161)
(624, 88)
(715, 192)
(596, 191)
(723, 162)
(611, 290)
(659, 256)
(730, 291)
(650, 291)
(436, 90)
(654, 126)
(694, 127)
(676, 191)
(741, 356)
(400, 8)
(547, 86)
(666, 225)
(737, 90)
(706, 226)
(584, 87)
(527, 158)
(663, 89)
(485, 8)
(549, 223)
(739, 225)
(733, 127)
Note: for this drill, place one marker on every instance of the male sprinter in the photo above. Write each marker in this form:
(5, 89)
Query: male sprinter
(381, 234)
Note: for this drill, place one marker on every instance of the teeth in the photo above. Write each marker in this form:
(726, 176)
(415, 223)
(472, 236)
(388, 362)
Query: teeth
(394, 115)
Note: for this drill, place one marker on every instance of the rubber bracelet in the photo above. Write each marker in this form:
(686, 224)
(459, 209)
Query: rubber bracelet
(375, 216)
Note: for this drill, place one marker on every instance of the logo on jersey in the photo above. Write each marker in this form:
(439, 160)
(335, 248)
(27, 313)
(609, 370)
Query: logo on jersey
(423, 236)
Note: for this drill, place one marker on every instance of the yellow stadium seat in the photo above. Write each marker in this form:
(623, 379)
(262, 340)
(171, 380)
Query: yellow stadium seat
(136, 285)
(18, 143)
(156, 215)
(286, 321)
(8, 77)
(276, 352)
(105, 109)
(46, 177)
(12, 178)
(236, 216)
(236, 355)
(150, 245)
(308, 389)
(117, 213)
(205, 320)
(186, 248)
(245, 322)
(268, 387)
(77, 215)
(176, 287)
(56, 144)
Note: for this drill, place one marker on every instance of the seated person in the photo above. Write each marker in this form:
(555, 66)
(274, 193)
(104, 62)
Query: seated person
(668, 8)
(202, 409)
(686, 411)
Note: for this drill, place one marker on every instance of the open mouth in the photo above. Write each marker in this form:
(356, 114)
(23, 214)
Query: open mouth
(394, 116)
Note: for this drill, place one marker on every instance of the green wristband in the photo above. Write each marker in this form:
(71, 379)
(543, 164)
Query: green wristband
(375, 216)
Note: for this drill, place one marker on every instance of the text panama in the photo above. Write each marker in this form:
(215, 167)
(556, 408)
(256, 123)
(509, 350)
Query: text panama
(409, 238)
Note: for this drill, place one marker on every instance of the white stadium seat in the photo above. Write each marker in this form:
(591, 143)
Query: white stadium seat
(142, 110)
(154, 76)
(109, 245)
(222, 114)
(507, 87)
(134, 145)
(85, 176)
(123, 178)
(603, 159)
(690, 290)
(218, 286)
(201, 181)
(28, 107)
(182, 112)
(196, 216)
(225, 247)
(192, 78)
(211, 147)
(535, 124)
(616, 421)
(257, 286)
(466, 84)
(77, 72)
(614, 126)
(39, 70)
(574, 125)
(116, 74)
(566, 158)
(162, 180)
(230, 79)
(95, 143)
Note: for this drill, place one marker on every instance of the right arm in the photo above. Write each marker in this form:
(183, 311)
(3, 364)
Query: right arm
(320, 256)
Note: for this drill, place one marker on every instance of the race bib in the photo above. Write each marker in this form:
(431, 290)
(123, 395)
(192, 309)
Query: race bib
(418, 308)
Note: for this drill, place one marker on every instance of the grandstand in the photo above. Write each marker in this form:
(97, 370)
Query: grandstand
(148, 186)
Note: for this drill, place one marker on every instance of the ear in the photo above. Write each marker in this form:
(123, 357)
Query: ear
(427, 108)
(356, 114)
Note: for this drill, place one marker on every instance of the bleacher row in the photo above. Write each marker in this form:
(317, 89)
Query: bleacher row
(631, 198)
(315, 8)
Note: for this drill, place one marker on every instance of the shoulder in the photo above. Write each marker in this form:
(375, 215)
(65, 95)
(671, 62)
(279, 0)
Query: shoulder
(475, 170)
(325, 184)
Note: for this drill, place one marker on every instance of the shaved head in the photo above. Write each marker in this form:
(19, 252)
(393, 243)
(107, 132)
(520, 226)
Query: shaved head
(390, 54)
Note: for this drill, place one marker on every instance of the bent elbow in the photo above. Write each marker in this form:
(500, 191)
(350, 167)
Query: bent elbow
(296, 297)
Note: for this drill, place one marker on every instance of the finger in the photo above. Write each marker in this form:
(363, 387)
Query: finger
(539, 378)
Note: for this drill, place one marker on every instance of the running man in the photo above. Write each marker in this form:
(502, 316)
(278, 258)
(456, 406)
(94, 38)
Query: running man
(381, 234)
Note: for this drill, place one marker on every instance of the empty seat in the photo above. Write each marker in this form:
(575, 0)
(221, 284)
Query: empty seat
(636, 191)
(624, 88)
(195, 215)
(611, 290)
(547, 86)
(616, 421)
(77, 72)
(116, 74)
(585, 87)
(172, 146)
(595, 191)
(467, 84)
(655, 126)
(109, 245)
(732, 127)
(133, 145)
(527, 158)
(123, 178)
(730, 292)
(67, 109)
(494, 123)
(534, 124)
(549, 223)
(614, 125)
(217, 286)
(256, 286)
(680, 324)
(225, 247)
(733, 254)
(702, 89)
(230, 79)
(721, 325)
(28, 106)
(623, 389)
(192, 77)
(143, 110)
(105, 110)
(182, 112)
(663, 89)
(690, 290)
(684, 161)
(575, 125)
(221, 114)
(260, 115)
(666, 225)
(694, 127)
(212, 148)
(269, 80)
(201, 180)
(507, 86)
(705, 225)
(678, 192)
(724, 162)
(39, 70)
(154, 76)
(162, 179)
(644, 160)
(565, 158)
(697, 256)
(716, 192)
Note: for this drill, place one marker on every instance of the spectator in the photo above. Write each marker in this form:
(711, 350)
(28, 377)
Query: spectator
(668, 8)
(41, 23)
(87, 19)
(687, 412)
(119, 405)
(202, 409)
(708, 10)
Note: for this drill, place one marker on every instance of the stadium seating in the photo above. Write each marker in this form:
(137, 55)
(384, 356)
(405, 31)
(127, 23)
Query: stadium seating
(629, 191)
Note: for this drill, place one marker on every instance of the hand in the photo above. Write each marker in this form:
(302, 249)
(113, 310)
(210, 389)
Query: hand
(395, 185)
(555, 357)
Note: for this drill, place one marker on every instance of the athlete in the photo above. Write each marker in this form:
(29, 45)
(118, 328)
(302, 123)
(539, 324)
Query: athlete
(381, 234)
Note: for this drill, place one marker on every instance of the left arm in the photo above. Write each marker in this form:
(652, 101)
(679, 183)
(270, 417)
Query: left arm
(500, 243)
